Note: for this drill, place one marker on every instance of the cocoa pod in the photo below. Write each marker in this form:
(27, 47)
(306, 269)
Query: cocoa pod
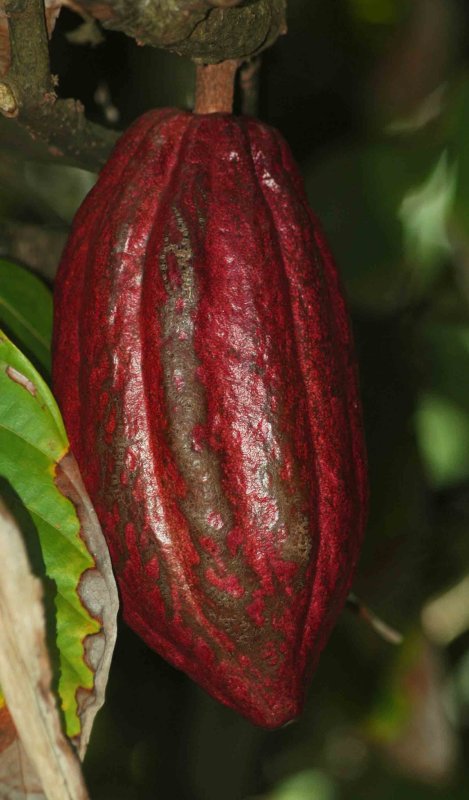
(204, 366)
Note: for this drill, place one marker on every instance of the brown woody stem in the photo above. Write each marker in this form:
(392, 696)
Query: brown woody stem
(214, 87)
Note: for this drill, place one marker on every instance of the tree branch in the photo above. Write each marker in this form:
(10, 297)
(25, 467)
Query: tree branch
(207, 30)
(27, 93)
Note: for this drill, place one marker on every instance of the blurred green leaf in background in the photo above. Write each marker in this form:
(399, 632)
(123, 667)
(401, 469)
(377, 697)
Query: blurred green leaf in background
(26, 311)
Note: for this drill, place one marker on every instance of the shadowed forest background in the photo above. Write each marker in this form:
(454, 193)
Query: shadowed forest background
(373, 98)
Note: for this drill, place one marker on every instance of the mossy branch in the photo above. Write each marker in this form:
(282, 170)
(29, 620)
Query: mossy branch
(27, 93)
(207, 30)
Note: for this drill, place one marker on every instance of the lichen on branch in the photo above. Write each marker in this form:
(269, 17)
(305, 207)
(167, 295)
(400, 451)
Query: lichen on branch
(207, 30)
(27, 93)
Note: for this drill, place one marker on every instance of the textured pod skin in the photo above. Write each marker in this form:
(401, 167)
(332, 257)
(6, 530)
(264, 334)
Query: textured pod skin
(204, 366)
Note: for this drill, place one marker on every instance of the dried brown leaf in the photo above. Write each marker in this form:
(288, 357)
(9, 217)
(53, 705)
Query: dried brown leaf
(98, 593)
(25, 676)
(18, 778)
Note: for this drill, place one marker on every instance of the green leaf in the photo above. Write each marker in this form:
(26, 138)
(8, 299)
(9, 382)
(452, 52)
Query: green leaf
(424, 213)
(443, 434)
(26, 311)
(305, 785)
(33, 442)
(373, 201)
(61, 187)
(442, 417)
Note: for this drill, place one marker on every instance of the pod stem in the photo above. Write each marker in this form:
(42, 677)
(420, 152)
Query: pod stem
(214, 87)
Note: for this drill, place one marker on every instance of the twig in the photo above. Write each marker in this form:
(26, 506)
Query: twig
(382, 628)
(249, 85)
(27, 93)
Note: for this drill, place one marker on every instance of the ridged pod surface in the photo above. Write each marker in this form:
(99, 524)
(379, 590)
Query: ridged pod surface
(204, 366)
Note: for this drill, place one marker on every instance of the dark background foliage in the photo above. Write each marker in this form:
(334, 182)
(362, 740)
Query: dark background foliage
(373, 96)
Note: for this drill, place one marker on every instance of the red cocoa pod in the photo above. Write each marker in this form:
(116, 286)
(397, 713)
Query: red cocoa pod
(204, 366)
